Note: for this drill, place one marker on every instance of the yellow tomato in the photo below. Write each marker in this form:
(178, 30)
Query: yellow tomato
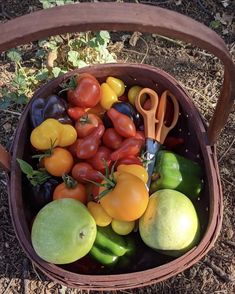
(133, 93)
(121, 227)
(117, 85)
(134, 169)
(108, 96)
(60, 162)
(101, 218)
(128, 198)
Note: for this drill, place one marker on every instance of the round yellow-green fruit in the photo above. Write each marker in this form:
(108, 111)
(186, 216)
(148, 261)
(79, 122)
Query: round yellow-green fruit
(63, 231)
(170, 223)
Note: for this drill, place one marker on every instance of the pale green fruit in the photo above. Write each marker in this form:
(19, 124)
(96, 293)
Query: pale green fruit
(170, 223)
(63, 231)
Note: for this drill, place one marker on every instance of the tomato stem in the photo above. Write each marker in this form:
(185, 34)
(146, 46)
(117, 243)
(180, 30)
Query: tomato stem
(70, 182)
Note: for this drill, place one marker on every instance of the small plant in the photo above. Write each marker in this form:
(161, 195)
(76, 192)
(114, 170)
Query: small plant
(51, 3)
(54, 57)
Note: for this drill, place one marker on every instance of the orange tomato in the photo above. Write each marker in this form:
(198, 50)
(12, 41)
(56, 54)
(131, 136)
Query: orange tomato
(59, 163)
(77, 192)
(128, 199)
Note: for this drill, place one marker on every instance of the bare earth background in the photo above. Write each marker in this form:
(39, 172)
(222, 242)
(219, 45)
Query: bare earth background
(201, 75)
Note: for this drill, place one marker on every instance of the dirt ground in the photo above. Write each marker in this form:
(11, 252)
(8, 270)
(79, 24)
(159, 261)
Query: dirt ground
(200, 74)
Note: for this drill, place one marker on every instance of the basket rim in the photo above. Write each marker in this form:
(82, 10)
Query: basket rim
(126, 280)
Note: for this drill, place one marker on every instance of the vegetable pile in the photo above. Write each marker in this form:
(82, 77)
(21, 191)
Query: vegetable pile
(87, 185)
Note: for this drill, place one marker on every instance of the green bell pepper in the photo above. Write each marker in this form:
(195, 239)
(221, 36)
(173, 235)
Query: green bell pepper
(109, 248)
(173, 171)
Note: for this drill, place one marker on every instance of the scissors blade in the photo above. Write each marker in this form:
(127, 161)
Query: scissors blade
(152, 148)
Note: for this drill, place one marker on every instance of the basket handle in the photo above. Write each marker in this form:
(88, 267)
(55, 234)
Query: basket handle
(126, 17)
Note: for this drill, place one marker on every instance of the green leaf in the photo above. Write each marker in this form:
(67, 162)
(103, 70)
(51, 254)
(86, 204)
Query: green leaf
(215, 24)
(56, 71)
(14, 56)
(19, 81)
(22, 99)
(4, 103)
(40, 53)
(25, 167)
(42, 43)
(42, 75)
(81, 63)
(73, 57)
(105, 36)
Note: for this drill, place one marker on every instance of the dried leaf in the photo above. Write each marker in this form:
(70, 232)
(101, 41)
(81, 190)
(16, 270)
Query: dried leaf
(178, 2)
(225, 3)
(134, 38)
(51, 57)
(225, 19)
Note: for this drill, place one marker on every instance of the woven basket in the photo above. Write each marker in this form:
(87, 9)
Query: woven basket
(199, 141)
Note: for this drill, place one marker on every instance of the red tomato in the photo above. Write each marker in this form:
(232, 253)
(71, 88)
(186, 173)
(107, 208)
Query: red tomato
(86, 124)
(75, 112)
(83, 171)
(123, 124)
(123, 98)
(129, 147)
(77, 192)
(88, 146)
(98, 110)
(140, 135)
(112, 139)
(129, 160)
(100, 159)
(147, 104)
(87, 92)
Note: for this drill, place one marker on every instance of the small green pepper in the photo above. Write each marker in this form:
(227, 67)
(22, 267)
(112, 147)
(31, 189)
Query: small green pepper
(178, 173)
(109, 247)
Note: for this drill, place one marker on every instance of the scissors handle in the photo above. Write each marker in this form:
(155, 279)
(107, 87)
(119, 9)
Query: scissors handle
(149, 116)
(162, 129)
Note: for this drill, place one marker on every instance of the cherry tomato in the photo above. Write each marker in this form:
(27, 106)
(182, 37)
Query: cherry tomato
(117, 85)
(123, 98)
(129, 147)
(121, 227)
(129, 160)
(123, 124)
(100, 216)
(108, 96)
(88, 146)
(77, 192)
(140, 135)
(59, 163)
(133, 93)
(173, 142)
(86, 124)
(147, 104)
(75, 112)
(87, 92)
(112, 139)
(84, 171)
(101, 159)
(97, 110)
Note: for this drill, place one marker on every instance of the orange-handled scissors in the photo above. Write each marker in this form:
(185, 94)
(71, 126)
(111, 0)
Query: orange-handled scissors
(155, 126)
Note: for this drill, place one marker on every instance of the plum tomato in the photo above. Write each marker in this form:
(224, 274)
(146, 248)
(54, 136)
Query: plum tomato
(88, 146)
(123, 124)
(83, 172)
(112, 139)
(101, 159)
